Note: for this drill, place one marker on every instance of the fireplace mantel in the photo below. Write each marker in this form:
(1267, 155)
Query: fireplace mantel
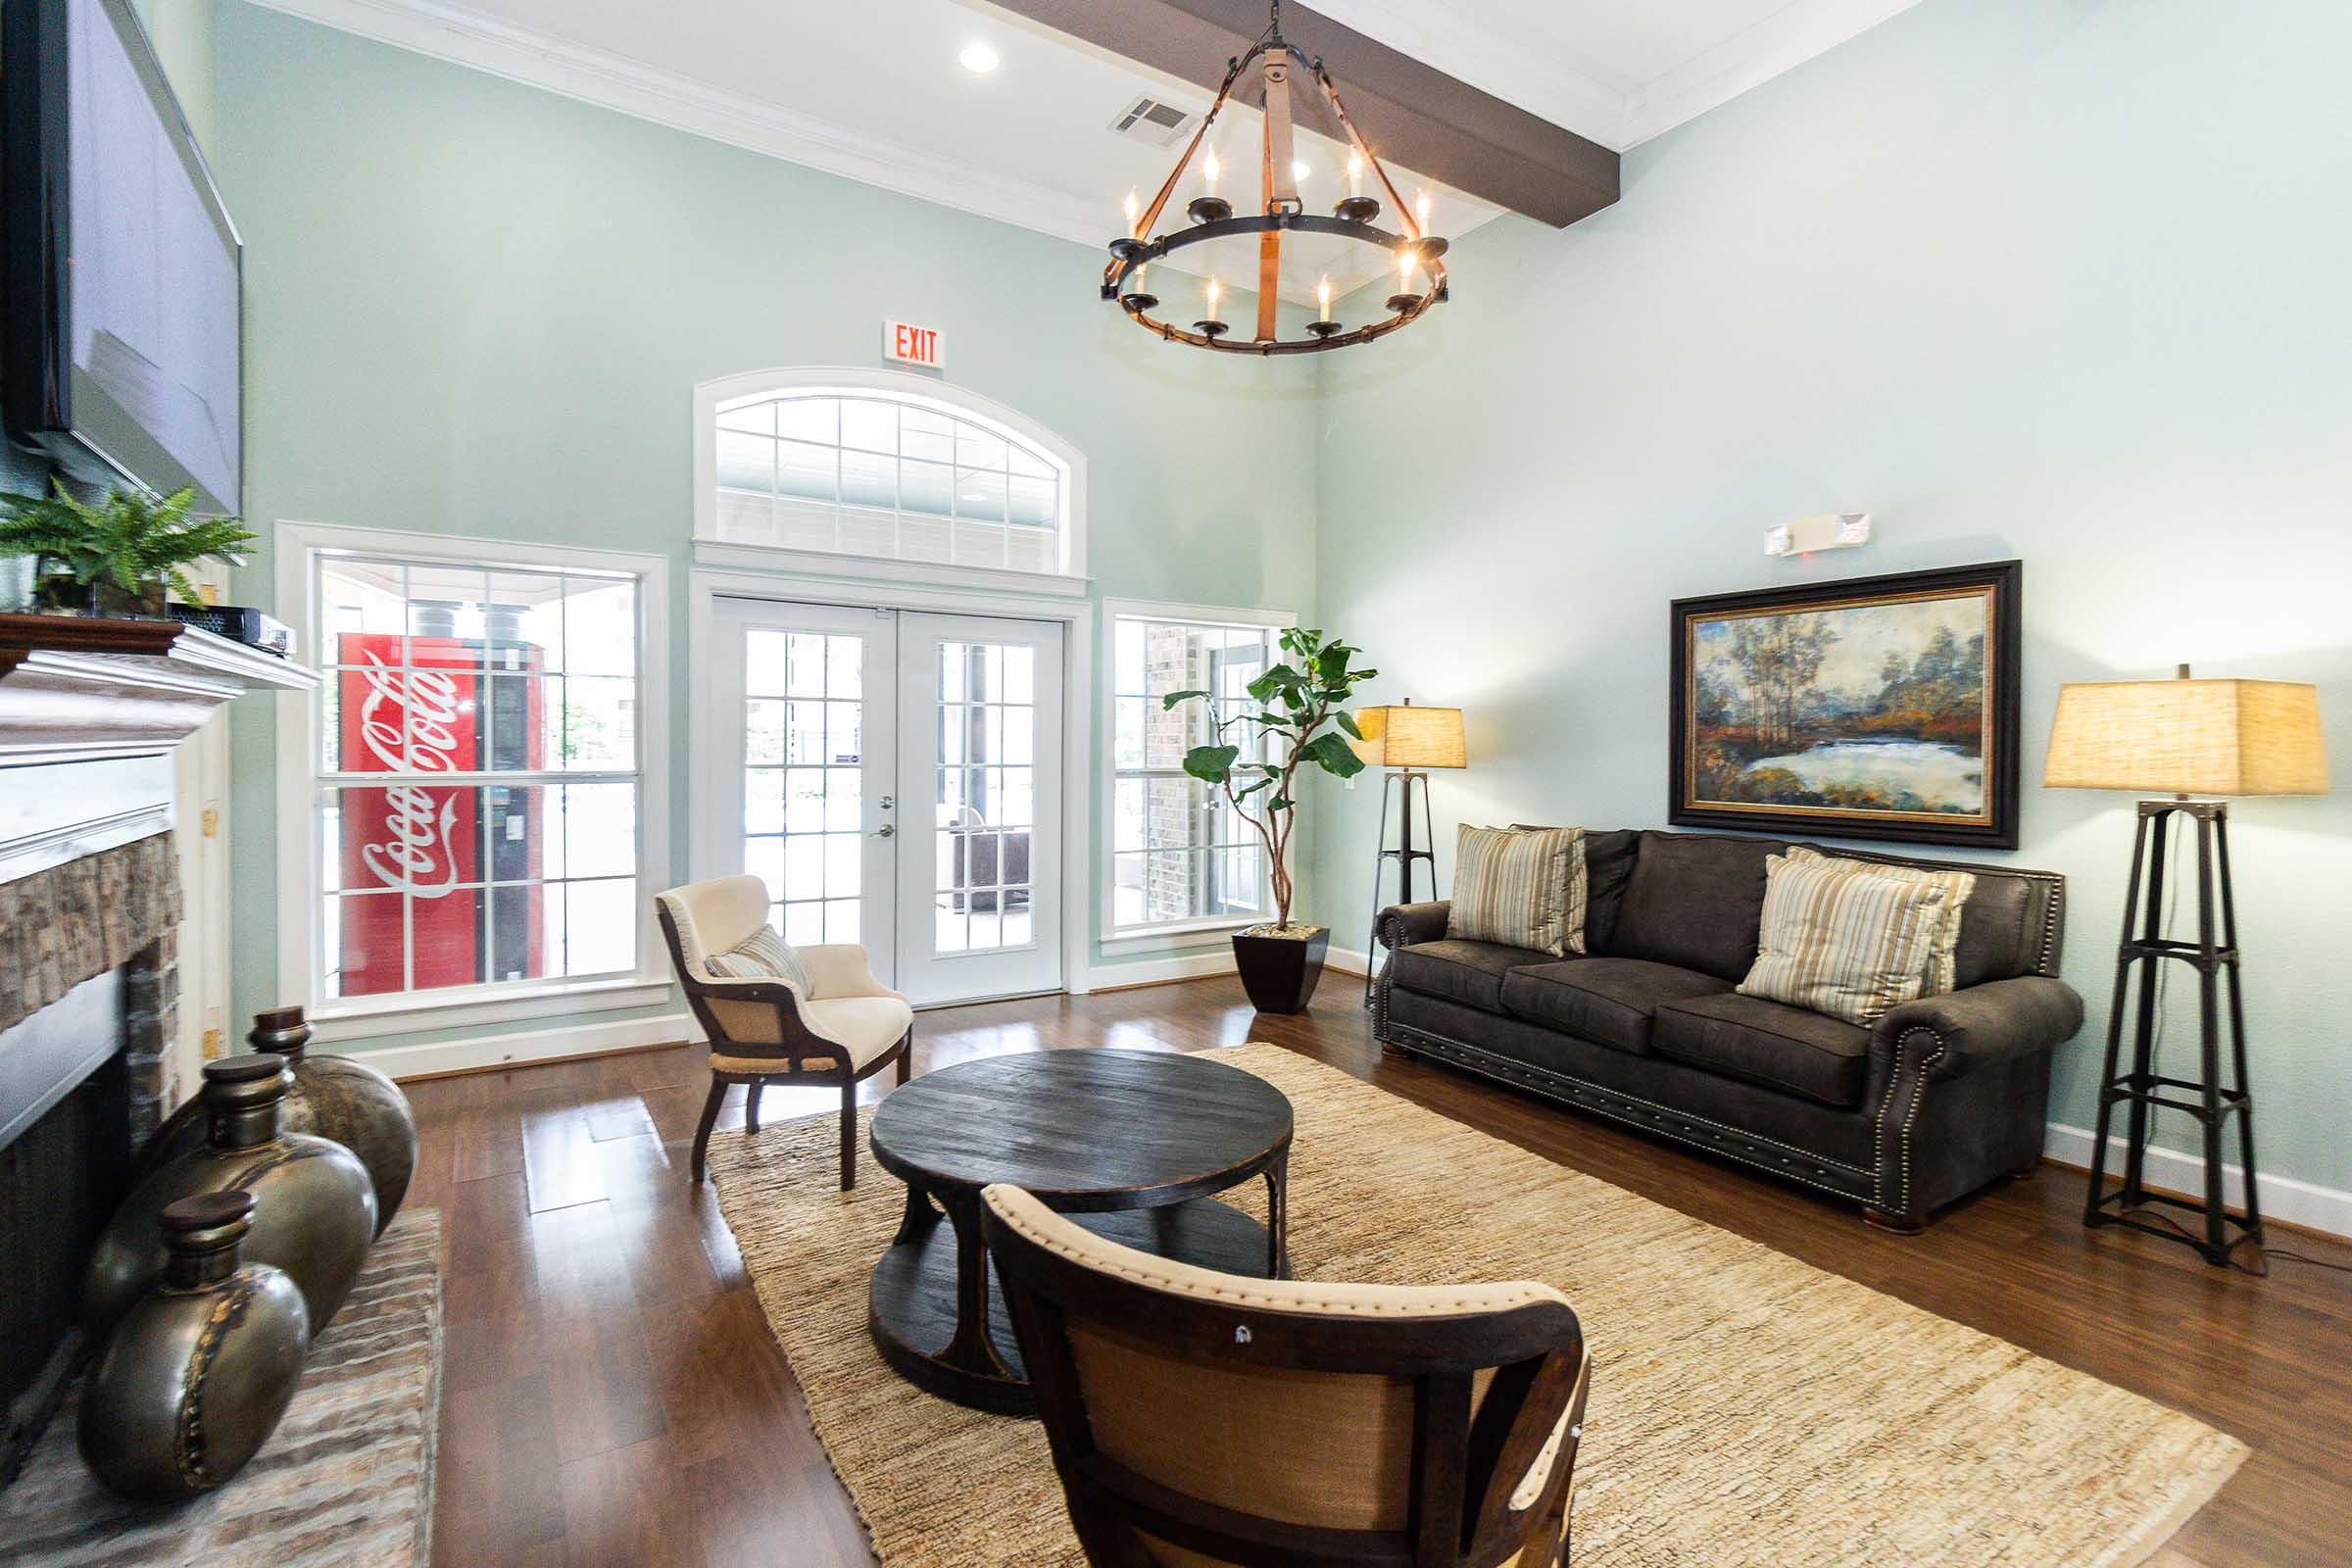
(79, 689)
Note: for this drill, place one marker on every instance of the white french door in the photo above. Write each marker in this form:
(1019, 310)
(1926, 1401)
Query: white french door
(980, 865)
(895, 778)
(806, 700)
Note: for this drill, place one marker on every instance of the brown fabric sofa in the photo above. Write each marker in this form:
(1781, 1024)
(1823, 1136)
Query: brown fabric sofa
(1646, 1028)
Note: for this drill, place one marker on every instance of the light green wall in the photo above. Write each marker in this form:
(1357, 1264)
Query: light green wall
(476, 308)
(181, 31)
(2064, 283)
(2056, 282)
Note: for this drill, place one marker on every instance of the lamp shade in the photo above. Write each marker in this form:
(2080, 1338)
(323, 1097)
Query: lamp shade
(1406, 736)
(2189, 736)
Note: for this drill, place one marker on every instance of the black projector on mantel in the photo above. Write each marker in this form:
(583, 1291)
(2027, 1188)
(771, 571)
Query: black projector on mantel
(239, 623)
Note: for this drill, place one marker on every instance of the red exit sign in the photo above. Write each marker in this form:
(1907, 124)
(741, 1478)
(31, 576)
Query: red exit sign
(909, 344)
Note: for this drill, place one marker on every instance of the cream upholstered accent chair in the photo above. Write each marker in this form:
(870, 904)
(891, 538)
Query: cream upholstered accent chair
(1201, 1420)
(820, 1019)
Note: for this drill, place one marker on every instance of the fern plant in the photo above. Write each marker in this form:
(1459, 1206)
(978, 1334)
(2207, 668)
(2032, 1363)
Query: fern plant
(131, 542)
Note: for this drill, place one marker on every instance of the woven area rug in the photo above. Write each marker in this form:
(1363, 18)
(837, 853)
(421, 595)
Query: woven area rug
(1747, 1409)
(347, 1478)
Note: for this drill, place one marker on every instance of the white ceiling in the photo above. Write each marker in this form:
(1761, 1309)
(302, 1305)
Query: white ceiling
(873, 89)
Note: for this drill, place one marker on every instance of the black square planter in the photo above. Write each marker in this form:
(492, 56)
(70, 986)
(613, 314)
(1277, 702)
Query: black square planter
(1281, 973)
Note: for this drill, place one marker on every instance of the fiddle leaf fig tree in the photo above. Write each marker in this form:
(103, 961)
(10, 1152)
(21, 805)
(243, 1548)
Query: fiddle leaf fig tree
(1299, 720)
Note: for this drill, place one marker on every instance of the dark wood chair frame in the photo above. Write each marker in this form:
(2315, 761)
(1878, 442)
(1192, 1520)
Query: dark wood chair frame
(1465, 1466)
(804, 1059)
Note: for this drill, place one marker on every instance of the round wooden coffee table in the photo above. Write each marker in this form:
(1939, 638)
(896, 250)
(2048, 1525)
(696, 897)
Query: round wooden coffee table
(1129, 1143)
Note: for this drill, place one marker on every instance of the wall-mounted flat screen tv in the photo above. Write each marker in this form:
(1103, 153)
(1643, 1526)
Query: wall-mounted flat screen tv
(121, 356)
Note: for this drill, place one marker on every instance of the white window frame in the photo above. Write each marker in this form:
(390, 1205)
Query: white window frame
(900, 386)
(297, 546)
(1114, 938)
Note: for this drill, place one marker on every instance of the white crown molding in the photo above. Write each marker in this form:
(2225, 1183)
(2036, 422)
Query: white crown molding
(538, 58)
(1781, 41)
(1568, 90)
(1537, 76)
(1615, 110)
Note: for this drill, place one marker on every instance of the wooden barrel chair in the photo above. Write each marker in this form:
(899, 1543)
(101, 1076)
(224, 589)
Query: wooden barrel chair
(807, 1016)
(1205, 1420)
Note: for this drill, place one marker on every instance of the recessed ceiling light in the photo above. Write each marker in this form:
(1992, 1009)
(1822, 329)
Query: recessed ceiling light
(978, 58)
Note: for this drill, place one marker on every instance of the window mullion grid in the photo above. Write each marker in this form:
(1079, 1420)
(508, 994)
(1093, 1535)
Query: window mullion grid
(484, 883)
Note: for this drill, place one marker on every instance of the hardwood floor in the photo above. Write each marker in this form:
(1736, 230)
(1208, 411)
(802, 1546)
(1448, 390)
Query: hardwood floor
(613, 1396)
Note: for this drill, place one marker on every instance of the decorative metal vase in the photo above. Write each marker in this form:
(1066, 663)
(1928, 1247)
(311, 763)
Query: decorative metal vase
(335, 1096)
(313, 1213)
(194, 1378)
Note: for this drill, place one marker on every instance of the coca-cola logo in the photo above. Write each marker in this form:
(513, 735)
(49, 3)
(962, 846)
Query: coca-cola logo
(408, 723)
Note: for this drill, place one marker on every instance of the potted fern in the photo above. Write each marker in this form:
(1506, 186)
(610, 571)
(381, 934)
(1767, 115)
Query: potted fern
(1296, 718)
(118, 557)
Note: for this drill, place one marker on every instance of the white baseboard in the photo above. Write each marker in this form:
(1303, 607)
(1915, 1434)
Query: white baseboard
(1157, 971)
(2321, 1209)
(1198, 966)
(532, 1044)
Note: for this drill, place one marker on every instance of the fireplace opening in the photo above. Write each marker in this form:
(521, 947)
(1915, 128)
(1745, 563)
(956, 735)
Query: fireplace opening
(65, 1088)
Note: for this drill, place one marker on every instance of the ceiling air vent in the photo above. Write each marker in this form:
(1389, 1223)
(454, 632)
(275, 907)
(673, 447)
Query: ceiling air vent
(1150, 120)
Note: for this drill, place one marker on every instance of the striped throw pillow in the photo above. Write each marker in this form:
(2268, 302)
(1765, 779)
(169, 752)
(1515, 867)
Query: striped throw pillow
(1842, 937)
(761, 955)
(1524, 888)
(1943, 970)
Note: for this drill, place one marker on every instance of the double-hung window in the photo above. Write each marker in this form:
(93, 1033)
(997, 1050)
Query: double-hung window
(1182, 858)
(477, 786)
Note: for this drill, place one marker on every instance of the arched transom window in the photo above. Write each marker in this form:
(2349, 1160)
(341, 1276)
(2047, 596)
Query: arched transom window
(872, 468)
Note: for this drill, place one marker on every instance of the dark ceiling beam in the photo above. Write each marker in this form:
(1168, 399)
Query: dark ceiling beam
(1411, 114)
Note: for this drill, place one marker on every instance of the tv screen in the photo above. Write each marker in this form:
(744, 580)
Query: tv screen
(123, 328)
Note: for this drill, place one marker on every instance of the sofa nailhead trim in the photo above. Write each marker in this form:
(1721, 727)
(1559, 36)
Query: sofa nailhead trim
(1919, 1095)
(1586, 1097)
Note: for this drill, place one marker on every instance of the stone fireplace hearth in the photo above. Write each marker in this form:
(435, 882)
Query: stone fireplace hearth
(87, 996)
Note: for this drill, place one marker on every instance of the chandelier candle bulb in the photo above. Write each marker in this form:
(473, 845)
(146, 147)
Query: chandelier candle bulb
(1323, 297)
(1210, 170)
(1212, 325)
(1355, 174)
(1134, 210)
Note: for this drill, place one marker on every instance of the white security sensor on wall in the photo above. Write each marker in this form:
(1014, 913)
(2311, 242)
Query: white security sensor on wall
(1832, 530)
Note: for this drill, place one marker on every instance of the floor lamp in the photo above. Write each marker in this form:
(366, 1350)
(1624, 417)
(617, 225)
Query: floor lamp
(1407, 741)
(2187, 737)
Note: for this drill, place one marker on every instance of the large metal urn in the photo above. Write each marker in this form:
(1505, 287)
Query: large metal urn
(194, 1378)
(335, 1096)
(313, 1206)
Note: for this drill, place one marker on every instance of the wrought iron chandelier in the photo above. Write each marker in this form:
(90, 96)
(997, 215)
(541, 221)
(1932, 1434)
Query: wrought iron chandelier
(1281, 211)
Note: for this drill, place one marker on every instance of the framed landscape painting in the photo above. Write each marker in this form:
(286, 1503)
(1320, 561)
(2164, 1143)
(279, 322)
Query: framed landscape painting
(1878, 707)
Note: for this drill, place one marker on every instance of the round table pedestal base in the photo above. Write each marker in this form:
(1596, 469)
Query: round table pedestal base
(911, 1306)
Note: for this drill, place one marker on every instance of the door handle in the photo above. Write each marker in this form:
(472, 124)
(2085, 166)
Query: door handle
(886, 831)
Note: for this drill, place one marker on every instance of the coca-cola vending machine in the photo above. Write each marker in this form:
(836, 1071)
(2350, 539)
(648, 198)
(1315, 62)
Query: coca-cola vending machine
(461, 706)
